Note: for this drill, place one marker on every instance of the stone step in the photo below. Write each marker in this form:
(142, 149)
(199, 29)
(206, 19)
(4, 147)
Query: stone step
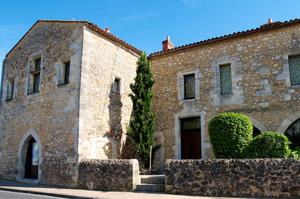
(150, 187)
(152, 179)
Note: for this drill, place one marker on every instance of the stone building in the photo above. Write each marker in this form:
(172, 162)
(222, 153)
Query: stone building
(64, 98)
(256, 72)
(65, 89)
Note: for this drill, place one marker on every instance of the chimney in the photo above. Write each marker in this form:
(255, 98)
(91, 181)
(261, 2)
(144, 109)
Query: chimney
(270, 21)
(167, 44)
(107, 30)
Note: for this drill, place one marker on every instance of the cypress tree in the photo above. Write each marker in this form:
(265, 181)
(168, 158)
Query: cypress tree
(141, 127)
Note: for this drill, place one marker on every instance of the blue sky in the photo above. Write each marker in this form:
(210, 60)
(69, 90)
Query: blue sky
(145, 23)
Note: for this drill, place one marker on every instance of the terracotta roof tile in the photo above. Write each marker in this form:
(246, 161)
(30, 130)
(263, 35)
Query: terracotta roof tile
(262, 28)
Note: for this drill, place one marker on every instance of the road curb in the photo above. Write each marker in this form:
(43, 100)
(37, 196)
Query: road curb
(44, 193)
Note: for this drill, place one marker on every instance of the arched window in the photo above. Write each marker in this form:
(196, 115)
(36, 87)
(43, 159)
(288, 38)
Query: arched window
(256, 131)
(293, 133)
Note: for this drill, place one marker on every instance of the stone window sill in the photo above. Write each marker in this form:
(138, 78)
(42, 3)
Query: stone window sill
(63, 84)
(9, 99)
(32, 94)
(294, 86)
(188, 100)
(227, 95)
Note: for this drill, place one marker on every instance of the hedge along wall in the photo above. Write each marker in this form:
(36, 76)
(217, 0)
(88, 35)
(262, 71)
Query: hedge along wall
(235, 177)
(108, 175)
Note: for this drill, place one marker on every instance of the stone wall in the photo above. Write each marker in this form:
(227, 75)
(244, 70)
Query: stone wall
(260, 82)
(108, 175)
(50, 116)
(237, 178)
(104, 113)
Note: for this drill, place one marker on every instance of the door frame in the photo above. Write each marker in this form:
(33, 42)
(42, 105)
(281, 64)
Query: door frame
(177, 129)
(22, 156)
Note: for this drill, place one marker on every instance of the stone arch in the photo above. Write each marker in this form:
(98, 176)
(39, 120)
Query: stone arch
(258, 125)
(288, 121)
(22, 155)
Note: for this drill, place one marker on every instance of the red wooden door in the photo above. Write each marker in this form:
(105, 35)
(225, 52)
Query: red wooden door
(190, 138)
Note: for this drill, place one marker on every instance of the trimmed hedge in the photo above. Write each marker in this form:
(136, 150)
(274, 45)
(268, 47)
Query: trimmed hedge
(268, 145)
(229, 134)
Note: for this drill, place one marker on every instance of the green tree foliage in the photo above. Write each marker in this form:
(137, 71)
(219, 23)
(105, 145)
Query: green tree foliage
(229, 134)
(141, 127)
(269, 145)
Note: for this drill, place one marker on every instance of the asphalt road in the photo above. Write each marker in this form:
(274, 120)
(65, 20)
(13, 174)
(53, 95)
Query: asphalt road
(16, 195)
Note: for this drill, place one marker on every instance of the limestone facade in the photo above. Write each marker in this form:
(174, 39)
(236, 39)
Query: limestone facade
(87, 116)
(261, 86)
(83, 118)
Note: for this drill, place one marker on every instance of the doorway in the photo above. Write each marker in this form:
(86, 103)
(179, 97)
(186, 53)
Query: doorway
(190, 138)
(32, 160)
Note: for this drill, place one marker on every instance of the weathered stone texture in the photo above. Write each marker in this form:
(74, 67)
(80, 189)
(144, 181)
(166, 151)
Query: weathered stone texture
(52, 113)
(260, 78)
(108, 175)
(104, 114)
(237, 178)
(83, 119)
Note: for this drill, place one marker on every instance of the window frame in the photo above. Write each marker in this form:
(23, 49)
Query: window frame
(118, 88)
(220, 79)
(33, 74)
(289, 68)
(65, 67)
(11, 84)
(184, 86)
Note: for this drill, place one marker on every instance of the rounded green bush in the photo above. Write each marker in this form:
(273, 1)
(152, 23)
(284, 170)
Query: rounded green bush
(229, 134)
(269, 145)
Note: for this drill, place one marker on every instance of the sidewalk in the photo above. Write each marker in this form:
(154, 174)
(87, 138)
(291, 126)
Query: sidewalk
(78, 193)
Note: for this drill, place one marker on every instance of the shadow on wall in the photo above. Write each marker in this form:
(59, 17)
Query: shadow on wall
(115, 132)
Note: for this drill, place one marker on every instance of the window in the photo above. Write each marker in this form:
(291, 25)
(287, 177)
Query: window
(64, 73)
(189, 86)
(225, 79)
(10, 90)
(34, 78)
(294, 68)
(117, 85)
(188, 124)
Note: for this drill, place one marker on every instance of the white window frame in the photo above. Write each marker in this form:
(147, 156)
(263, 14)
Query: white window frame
(31, 61)
(180, 84)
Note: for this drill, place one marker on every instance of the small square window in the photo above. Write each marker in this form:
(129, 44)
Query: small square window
(294, 68)
(189, 86)
(225, 79)
(117, 85)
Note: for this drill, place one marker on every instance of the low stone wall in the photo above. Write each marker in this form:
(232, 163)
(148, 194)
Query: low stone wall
(238, 178)
(108, 175)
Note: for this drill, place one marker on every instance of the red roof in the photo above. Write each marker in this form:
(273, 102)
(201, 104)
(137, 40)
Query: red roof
(93, 27)
(262, 28)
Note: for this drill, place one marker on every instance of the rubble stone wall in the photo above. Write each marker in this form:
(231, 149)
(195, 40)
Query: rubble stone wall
(235, 178)
(108, 175)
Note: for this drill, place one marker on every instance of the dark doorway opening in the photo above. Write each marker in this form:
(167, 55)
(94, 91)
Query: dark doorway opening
(190, 138)
(293, 133)
(32, 160)
(256, 131)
